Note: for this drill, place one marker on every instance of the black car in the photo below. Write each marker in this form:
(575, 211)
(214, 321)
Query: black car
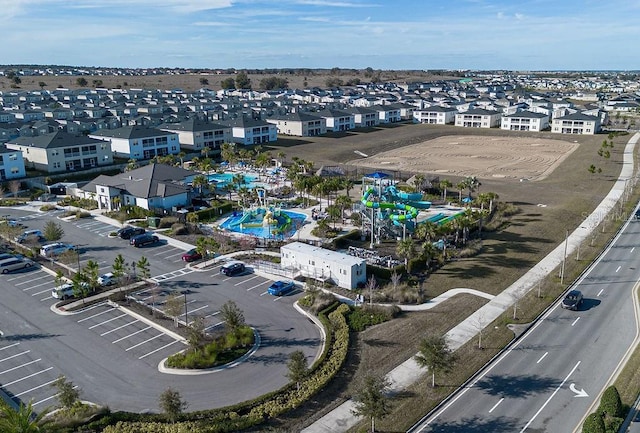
(572, 300)
(232, 268)
(144, 239)
(129, 232)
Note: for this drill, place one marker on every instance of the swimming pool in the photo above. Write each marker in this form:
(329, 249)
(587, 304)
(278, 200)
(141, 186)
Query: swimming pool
(223, 179)
(285, 228)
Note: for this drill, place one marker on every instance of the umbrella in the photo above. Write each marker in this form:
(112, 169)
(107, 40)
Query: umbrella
(377, 175)
(467, 200)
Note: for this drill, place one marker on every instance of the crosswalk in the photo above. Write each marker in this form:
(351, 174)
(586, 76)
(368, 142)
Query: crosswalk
(172, 274)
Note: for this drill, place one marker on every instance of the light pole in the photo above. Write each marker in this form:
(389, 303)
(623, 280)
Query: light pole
(186, 312)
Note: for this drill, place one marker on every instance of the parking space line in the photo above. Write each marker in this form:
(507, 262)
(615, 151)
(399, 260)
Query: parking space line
(212, 314)
(32, 279)
(119, 327)
(143, 342)
(27, 377)
(131, 335)
(20, 366)
(14, 356)
(9, 346)
(213, 326)
(257, 285)
(101, 304)
(96, 315)
(196, 309)
(46, 283)
(46, 299)
(247, 280)
(158, 349)
(41, 292)
(29, 276)
(107, 321)
(36, 387)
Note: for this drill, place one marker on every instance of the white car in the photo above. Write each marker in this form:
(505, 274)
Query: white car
(56, 248)
(65, 291)
(106, 279)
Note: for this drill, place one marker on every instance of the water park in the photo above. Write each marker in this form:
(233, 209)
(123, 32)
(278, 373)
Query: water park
(268, 222)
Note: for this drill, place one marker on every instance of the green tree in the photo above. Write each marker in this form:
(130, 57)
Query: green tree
(232, 316)
(274, 83)
(196, 335)
(243, 81)
(80, 285)
(199, 182)
(610, 403)
(119, 267)
(228, 83)
(23, 420)
(435, 355)
(174, 306)
(52, 231)
(92, 271)
(370, 399)
(143, 267)
(204, 81)
(298, 367)
(343, 202)
(593, 424)
(68, 394)
(406, 249)
(82, 82)
(171, 403)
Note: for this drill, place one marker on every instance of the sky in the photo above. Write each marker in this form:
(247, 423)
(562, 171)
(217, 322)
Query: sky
(382, 34)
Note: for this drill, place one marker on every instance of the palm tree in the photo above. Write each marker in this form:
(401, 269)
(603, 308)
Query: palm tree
(199, 182)
(22, 420)
(239, 180)
(406, 248)
(343, 202)
(426, 231)
(418, 181)
(429, 251)
(461, 186)
(444, 185)
(181, 156)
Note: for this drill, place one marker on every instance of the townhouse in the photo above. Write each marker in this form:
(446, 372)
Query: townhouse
(576, 123)
(299, 124)
(195, 134)
(525, 121)
(478, 118)
(139, 142)
(435, 115)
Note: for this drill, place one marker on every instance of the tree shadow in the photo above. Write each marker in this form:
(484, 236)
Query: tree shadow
(29, 337)
(515, 386)
(473, 425)
(467, 273)
(376, 342)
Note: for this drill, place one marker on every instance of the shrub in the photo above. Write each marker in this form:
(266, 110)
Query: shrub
(82, 214)
(179, 229)
(48, 207)
(610, 404)
(359, 318)
(593, 424)
(167, 222)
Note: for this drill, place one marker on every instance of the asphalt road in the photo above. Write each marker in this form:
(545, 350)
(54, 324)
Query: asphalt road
(113, 357)
(550, 379)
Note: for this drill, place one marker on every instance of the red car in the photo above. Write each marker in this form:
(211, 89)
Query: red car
(191, 255)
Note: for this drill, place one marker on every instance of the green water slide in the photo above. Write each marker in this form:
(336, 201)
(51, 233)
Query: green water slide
(410, 211)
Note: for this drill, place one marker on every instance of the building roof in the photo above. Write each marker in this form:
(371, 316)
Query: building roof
(323, 253)
(297, 117)
(526, 115)
(132, 132)
(245, 122)
(192, 125)
(578, 116)
(56, 139)
(438, 109)
(481, 112)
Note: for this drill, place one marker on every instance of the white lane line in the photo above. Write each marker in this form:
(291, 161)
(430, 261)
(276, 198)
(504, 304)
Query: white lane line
(251, 288)
(36, 387)
(550, 397)
(46, 299)
(179, 254)
(212, 314)
(119, 327)
(46, 283)
(496, 405)
(158, 349)
(31, 280)
(20, 366)
(600, 292)
(143, 342)
(96, 315)
(27, 377)
(264, 293)
(213, 326)
(48, 290)
(107, 321)
(618, 268)
(542, 357)
(9, 346)
(196, 309)
(575, 321)
(131, 335)
(14, 356)
(23, 276)
(633, 249)
(247, 280)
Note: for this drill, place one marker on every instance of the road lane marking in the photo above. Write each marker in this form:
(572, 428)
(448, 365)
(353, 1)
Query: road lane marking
(46, 283)
(575, 321)
(143, 342)
(119, 327)
(31, 280)
(20, 366)
(618, 268)
(107, 321)
(550, 397)
(633, 249)
(131, 335)
(248, 279)
(542, 357)
(14, 356)
(251, 288)
(158, 349)
(9, 346)
(195, 309)
(496, 405)
(600, 292)
(48, 290)
(27, 377)
(212, 314)
(96, 315)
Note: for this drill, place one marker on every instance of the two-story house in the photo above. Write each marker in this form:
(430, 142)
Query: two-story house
(576, 123)
(299, 124)
(196, 134)
(435, 115)
(139, 142)
(525, 121)
(478, 118)
(245, 130)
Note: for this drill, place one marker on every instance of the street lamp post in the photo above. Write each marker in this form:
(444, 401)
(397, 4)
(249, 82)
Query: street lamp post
(186, 312)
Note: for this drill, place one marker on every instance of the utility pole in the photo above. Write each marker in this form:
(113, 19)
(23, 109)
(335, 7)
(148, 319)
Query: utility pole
(564, 257)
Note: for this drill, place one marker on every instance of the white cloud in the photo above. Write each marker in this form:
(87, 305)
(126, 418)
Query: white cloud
(519, 16)
(336, 4)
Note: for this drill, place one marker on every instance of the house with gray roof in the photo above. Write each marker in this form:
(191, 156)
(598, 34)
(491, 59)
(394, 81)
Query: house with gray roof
(576, 123)
(478, 118)
(435, 115)
(60, 151)
(299, 124)
(139, 142)
(195, 134)
(525, 121)
(247, 131)
(158, 187)
(337, 120)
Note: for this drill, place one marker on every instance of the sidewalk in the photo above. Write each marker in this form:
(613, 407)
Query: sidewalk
(341, 419)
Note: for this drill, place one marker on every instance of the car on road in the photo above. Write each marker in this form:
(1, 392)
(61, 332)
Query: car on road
(572, 300)
(144, 239)
(637, 215)
(30, 234)
(129, 232)
(56, 248)
(232, 268)
(106, 279)
(281, 288)
(191, 255)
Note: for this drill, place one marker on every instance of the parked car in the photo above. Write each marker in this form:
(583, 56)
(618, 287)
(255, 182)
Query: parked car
(14, 264)
(106, 279)
(191, 255)
(64, 291)
(12, 223)
(144, 239)
(129, 232)
(5, 256)
(280, 288)
(30, 234)
(232, 268)
(56, 248)
(572, 300)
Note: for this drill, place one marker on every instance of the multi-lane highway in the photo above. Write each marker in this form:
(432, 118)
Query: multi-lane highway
(552, 376)
(112, 356)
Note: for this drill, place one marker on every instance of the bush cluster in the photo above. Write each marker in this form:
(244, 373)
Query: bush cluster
(224, 349)
(84, 203)
(359, 318)
(609, 416)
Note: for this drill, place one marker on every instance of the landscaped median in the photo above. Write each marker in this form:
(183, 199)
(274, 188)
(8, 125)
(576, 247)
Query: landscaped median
(254, 412)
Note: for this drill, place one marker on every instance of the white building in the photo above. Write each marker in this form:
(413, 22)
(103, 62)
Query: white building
(435, 115)
(319, 263)
(576, 123)
(478, 118)
(139, 142)
(525, 121)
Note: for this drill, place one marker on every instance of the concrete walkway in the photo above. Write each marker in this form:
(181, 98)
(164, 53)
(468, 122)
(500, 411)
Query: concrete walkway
(342, 418)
